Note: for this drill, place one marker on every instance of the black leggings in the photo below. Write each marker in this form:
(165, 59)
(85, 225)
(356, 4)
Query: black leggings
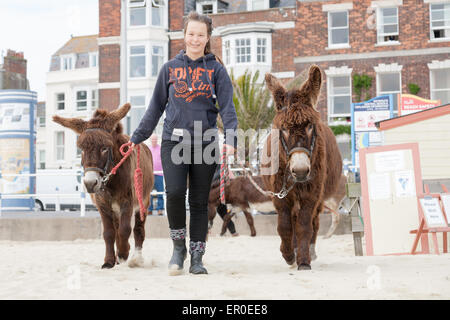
(175, 178)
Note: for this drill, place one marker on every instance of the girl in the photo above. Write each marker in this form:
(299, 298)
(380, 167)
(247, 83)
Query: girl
(188, 88)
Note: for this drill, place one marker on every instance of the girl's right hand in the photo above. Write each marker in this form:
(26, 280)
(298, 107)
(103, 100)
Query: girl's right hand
(132, 145)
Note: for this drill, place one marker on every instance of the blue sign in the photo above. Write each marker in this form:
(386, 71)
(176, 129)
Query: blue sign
(364, 115)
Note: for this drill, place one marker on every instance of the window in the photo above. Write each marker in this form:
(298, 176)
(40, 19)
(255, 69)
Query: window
(81, 97)
(387, 29)
(82, 60)
(252, 50)
(440, 85)
(138, 16)
(338, 28)
(67, 63)
(136, 3)
(207, 9)
(137, 61)
(389, 83)
(206, 6)
(41, 159)
(41, 122)
(94, 99)
(339, 96)
(157, 13)
(60, 101)
(243, 51)
(440, 21)
(261, 45)
(227, 52)
(59, 145)
(157, 60)
(94, 59)
(136, 113)
(258, 4)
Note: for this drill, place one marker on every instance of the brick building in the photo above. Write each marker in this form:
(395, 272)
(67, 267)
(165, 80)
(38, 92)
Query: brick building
(394, 42)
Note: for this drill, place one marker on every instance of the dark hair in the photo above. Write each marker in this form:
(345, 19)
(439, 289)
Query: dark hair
(195, 16)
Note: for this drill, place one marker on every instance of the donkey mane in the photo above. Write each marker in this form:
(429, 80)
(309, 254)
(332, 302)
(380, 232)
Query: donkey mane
(300, 113)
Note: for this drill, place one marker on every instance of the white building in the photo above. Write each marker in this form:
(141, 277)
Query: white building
(72, 93)
(147, 50)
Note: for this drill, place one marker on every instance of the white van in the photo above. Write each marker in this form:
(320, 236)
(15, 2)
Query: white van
(61, 187)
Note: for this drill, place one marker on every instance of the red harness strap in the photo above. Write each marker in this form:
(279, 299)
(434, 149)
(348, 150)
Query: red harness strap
(223, 175)
(138, 177)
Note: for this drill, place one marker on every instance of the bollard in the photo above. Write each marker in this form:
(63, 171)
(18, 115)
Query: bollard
(57, 204)
(83, 204)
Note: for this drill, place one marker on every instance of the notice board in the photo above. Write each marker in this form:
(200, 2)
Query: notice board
(391, 183)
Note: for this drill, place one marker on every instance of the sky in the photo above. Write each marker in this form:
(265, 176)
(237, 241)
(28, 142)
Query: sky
(38, 28)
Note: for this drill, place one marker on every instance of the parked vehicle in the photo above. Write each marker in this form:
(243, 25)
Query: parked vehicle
(61, 187)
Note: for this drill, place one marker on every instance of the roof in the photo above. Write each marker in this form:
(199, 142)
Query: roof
(80, 44)
(413, 117)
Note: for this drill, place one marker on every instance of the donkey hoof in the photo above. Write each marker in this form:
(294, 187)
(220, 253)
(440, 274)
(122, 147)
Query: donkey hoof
(253, 234)
(304, 266)
(290, 260)
(107, 265)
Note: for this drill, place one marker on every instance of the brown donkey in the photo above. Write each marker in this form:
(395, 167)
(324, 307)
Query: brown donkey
(114, 196)
(309, 166)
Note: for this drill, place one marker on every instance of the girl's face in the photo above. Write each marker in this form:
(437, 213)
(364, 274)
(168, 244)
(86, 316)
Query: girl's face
(196, 38)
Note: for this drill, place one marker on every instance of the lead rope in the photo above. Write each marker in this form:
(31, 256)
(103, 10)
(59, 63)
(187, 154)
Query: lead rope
(138, 176)
(224, 178)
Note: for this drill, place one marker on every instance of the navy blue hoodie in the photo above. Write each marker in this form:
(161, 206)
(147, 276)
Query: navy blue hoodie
(188, 90)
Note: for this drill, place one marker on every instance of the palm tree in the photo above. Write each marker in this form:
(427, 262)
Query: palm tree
(254, 103)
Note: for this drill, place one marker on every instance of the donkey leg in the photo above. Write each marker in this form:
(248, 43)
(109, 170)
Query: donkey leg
(335, 218)
(250, 222)
(139, 236)
(226, 220)
(109, 238)
(284, 229)
(123, 246)
(312, 246)
(304, 232)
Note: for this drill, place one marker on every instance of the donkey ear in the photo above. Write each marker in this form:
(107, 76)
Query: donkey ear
(277, 89)
(117, 115)
(77, 125)
(312, 85)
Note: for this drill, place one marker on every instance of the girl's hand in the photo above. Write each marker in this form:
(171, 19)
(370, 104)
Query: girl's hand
(132, 145)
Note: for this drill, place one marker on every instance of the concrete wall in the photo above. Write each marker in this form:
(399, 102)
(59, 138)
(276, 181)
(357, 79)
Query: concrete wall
(69, 226)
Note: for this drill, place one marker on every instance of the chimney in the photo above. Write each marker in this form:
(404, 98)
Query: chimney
(14, 62)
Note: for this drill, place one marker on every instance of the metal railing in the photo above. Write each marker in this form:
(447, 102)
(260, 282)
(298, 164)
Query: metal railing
(32, 196)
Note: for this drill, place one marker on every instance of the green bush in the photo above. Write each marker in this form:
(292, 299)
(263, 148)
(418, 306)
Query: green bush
(413, 88)
(341, 129)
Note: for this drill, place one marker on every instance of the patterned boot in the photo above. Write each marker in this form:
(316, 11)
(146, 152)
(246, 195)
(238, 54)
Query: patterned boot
(179, 251)
(197, 250)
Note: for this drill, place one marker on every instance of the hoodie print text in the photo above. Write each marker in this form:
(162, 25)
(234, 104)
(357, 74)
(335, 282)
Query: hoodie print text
(200, 85)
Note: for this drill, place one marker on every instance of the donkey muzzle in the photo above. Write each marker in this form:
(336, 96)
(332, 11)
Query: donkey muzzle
(92, 181)
(300, 166)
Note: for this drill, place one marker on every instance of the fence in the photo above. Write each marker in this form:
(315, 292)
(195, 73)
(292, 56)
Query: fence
(33, 196)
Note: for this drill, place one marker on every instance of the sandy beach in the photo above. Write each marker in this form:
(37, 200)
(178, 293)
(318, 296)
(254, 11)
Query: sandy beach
(239, 268)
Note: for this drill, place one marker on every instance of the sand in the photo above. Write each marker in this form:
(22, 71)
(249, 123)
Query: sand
(239, 268)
